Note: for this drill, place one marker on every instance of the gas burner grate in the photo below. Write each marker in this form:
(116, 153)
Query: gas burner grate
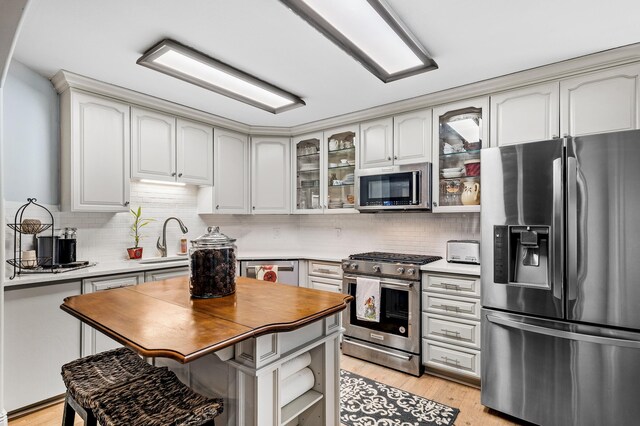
(377, 256)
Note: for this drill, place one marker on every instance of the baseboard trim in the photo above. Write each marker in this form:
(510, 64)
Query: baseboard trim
(4, 420)
(20, 412)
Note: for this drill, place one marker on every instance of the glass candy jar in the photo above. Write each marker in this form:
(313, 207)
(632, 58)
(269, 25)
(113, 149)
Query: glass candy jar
(212, 265)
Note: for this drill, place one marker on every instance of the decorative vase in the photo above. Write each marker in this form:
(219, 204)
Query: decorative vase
(470, 193)
(135, 252)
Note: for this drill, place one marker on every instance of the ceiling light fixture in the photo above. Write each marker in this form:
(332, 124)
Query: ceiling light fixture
(369, 31)
(185, 63)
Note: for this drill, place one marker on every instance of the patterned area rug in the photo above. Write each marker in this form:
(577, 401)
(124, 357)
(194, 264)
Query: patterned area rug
(364, 402)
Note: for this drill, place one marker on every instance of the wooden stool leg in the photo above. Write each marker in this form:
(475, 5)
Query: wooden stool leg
(69, 413)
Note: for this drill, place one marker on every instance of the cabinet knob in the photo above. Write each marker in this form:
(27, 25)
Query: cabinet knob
(388, 158)
(126, 203)
(173, 174)
(254, 207)
(217, 206)
(179, 174)
(395, 157)
(435, 204)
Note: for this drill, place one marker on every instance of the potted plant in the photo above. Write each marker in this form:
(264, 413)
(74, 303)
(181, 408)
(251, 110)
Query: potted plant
(135, 252)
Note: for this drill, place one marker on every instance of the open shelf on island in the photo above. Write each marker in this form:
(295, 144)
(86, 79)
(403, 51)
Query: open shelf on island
(298, 405)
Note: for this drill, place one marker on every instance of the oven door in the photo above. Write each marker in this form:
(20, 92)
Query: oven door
(399, 325)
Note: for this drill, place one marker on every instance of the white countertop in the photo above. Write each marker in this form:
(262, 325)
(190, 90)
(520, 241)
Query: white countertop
(131, 266)
(451, 268)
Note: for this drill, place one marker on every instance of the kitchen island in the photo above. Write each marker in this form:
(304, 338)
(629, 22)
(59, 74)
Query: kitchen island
(234, 346)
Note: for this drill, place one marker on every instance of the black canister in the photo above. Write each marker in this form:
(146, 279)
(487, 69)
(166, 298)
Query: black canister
(67, 246)
(212, 265)
(48, 250)
(66, 251)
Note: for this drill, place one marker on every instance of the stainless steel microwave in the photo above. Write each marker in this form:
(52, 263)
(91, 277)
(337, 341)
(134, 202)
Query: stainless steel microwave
(394, 188)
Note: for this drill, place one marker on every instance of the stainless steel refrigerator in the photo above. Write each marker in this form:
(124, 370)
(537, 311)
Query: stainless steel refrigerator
(560, 227)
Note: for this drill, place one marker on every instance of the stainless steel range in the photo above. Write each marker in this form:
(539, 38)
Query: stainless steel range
(394, 340)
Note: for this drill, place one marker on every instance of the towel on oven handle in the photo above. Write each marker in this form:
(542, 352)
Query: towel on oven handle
(368, 299)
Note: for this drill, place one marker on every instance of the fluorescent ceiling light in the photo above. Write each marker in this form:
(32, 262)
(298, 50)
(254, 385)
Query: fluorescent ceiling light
(467, 128)
(177, 60)
(162, 182)
(369, 31)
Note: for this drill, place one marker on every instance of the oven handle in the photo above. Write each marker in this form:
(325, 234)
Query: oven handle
(351, 342)
(403, 285)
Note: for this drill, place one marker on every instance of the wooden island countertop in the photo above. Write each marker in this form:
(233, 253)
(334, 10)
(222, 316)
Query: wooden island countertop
(160, 319)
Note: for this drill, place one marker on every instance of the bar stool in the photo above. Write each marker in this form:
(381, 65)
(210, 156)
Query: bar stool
(156, 400)
(92, 376)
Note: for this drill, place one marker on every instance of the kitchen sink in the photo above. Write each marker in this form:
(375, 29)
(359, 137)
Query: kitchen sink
(163, 259)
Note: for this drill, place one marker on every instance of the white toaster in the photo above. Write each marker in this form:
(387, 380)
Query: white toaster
(463, 251)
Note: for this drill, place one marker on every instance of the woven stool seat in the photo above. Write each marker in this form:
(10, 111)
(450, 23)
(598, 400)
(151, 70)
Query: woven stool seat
(87, 378)
(156, 400)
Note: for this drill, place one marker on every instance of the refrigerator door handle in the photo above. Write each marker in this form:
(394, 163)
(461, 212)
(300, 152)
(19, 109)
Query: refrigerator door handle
(562, 334)
(557, 248)
(572, 228)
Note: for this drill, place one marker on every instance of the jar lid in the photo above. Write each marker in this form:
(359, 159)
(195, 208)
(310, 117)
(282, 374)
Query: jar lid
(213, 237)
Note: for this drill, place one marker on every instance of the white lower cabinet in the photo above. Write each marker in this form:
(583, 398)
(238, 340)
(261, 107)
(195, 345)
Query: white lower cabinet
(326, 284)
(451, 326)
(165, 274)
(325, 275)
(39, 339)
(93, 341)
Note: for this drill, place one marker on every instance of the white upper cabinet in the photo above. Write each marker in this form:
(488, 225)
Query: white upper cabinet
(270, 175)
(95, 153)
(194, 152)
(412, 137)
(169, 149)
(525, 115)
(603, 101)
(230, 191)
(153, 154)
(376, 143)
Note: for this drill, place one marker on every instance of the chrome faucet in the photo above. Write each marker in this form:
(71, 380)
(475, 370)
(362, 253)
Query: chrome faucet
(163, 246)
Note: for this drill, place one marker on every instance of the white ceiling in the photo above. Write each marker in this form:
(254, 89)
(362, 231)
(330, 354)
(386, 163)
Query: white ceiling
(470, 40)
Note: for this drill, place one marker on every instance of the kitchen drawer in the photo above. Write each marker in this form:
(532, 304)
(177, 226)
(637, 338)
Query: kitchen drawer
(456, 285)
(165, 274)
(90, 285)
(325, 269)
(455, 306)
(325, 284)
(455, 331)
(451, 358)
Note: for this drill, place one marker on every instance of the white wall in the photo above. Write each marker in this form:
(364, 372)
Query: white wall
(31, 136)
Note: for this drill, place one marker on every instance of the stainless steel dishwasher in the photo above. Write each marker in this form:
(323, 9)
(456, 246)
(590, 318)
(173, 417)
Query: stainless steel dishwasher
(287, 269)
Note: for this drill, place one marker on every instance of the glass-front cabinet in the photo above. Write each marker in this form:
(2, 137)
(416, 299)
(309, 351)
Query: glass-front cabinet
(308, 158)
(325, 166)
(460, 132)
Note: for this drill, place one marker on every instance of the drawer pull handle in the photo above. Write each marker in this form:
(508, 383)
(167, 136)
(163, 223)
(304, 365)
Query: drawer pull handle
(456, 309)
(325, 271)
(450, 286)
(448, 360)
(446, 332)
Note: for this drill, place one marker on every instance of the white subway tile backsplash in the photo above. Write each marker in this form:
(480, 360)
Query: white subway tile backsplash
(104, 236)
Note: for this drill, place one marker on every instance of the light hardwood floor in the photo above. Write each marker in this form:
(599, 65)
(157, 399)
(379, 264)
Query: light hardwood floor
(465, 398)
